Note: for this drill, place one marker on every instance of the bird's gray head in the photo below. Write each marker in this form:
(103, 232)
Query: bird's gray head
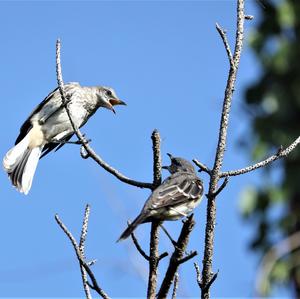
(179, 165)
(107, 98)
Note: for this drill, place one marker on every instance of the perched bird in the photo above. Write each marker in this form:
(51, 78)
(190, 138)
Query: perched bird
(175, 198)
(48, 127)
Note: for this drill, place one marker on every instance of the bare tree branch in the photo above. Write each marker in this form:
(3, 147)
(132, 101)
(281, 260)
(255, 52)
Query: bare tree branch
(139, 248)
(223, 185)
(188, 257)
(198, 275)
(202, 166)
(221, 146)
(223, 35)
(163, 255)
(176, 257)
(168, 235)
(90, 152)
(215, 174)
(156, 159)
(175, 287)
(84, 229)
(280, 154)
(154, 235)
(154, 259)
(249, 17)
(82, 250)
(95, 286)
(213, 278)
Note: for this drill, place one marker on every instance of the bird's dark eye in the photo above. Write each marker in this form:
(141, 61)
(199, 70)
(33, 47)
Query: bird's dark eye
(108, 93)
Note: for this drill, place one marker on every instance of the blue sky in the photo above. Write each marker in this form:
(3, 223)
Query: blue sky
(166, 60)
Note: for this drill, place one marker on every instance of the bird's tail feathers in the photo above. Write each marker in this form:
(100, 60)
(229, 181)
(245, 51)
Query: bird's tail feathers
(20, 163)
(14, 155)
(132, 226)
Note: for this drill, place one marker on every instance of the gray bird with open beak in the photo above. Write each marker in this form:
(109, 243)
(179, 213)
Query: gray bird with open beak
(175, 198)
(48, 127)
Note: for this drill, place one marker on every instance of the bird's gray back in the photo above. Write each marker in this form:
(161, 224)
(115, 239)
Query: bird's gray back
(178, 187)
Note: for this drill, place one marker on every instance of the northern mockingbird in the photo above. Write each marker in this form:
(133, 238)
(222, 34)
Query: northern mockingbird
(175, 198)
(48, 127)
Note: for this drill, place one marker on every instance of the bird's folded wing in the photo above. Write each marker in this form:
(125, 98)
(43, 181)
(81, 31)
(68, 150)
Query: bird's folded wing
(51, 146)
(177, 191)
(50, 104)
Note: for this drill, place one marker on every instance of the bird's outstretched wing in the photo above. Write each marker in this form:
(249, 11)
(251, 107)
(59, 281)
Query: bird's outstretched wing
(176, 190)
(50, 109)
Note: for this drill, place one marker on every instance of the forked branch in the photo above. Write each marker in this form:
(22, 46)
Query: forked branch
(80, 254)
(207, 273)
(207, 278)
(281, 153)
(89, 151)
(177, 257)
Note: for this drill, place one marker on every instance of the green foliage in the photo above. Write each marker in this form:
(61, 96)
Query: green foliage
(275, 100)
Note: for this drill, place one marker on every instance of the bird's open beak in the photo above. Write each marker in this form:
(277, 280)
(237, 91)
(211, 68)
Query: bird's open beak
(165, 167)
(113, 102)
(116, 101)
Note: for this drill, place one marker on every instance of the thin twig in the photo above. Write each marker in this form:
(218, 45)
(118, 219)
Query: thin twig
(90, 152)
(92, 262)
(168, 235)
(198, 275)
(81, 260)
(175, 286)
(280, 154)
(221, 146)
(202, 166)
(156, 158)
(188, 257)
(94, 284)
(163, 255)
(139, 248)
(223, 185)
(82, 250)
(176, 257)
(223, 35)
(84, 229)
(249, 17)
(113, 171)
(80, 256)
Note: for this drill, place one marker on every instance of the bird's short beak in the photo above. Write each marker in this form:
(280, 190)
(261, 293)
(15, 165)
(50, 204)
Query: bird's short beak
(168, 167)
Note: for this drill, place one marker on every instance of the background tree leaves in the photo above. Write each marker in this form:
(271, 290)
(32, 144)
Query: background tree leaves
(274, 99)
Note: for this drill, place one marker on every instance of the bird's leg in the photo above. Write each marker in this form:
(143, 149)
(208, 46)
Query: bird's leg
(79, 142)
(66, 142)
